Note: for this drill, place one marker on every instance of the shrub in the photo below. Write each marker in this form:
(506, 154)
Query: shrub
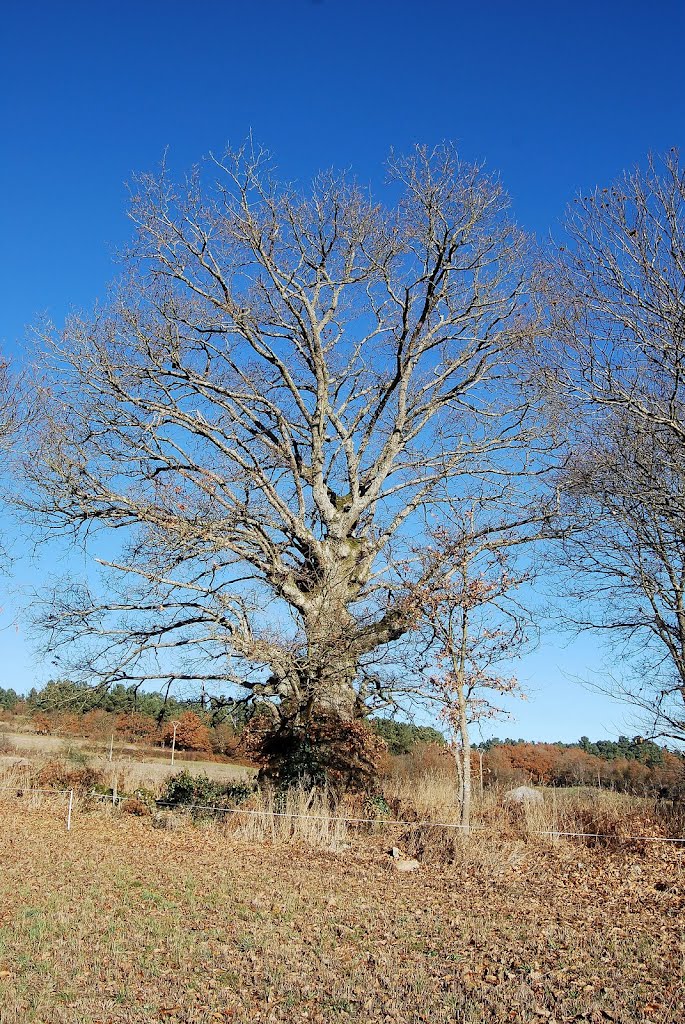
(191, 733)
(186, 789)
(612, 823)
(69, 723)
(133, 805)
(57, 775)
(423, 759)
(42, 724)
(328, 753)
(97, 723)
(134, 725)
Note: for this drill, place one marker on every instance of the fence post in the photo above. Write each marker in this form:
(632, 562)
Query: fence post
(71, 805)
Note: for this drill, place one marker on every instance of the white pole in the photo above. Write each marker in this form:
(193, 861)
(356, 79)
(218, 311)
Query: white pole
(111, 744)
(173, 743)
(71, 805)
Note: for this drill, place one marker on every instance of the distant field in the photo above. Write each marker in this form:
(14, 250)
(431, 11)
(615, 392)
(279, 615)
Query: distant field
(140, 768)
(32, 743)
(120, 923)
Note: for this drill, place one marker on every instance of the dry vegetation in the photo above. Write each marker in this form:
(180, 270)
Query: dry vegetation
(267, 918)
(140, 765)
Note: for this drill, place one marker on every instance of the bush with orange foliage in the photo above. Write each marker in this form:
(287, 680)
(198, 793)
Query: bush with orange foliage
(191, 733)
(135, 726)
(68, 723)
(423, 759)
(42, 723)
(97, 724)
(58, 775)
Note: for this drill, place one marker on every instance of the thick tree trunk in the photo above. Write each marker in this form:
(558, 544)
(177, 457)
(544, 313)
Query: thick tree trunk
(321, 739)
(321, 735)
(331, 669)
(331, 578)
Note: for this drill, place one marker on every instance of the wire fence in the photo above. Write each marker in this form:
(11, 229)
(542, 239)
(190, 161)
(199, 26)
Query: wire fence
(410, 824)
(20, 791)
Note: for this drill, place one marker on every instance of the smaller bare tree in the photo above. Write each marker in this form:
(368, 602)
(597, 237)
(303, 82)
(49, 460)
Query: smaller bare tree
(473, 622)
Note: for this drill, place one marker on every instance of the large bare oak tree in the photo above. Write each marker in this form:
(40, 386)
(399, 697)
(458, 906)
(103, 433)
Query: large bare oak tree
(280, 387)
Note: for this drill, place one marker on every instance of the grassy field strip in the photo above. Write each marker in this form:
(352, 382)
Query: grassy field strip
(122, 923)
(139, 766)
(428, 823)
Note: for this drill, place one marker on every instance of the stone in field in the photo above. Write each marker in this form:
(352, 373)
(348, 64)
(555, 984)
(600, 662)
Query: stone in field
(523, 795)
(401, 863)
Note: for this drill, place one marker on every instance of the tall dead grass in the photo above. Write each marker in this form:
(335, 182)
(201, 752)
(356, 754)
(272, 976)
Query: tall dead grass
(590, 816)
(426, 802)
(299, 815)
(15, 778)
(19, 786)
(309, 817)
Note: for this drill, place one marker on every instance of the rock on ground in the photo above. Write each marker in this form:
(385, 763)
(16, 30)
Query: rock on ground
(523, 795)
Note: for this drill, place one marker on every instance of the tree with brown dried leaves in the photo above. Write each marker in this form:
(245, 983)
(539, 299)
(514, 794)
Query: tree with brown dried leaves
(469, 612)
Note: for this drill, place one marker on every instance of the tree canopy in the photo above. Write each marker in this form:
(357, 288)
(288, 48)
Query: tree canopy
(614, 298)
(282, 388)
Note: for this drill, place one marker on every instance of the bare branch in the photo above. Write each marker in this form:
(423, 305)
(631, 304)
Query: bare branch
(278, 391)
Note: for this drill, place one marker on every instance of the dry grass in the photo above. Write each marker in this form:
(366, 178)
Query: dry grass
(255, 919)
(601, 814)
(136, 768)
(429, 794)
(299, 817)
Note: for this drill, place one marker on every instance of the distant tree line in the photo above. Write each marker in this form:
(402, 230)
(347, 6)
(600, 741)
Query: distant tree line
(80, 698)
(636, 749)
(621, 766)
(401, 737)
(62, 705)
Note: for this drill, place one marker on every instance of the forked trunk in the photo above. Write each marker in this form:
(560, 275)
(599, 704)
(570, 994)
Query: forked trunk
(321, 738)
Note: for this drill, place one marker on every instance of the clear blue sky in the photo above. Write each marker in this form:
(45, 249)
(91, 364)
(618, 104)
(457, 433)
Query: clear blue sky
(557, 97)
